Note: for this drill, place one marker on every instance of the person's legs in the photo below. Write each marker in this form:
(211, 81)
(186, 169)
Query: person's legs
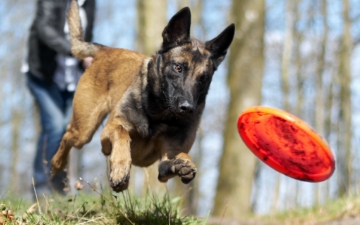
(67, 106)
(51, 108)
(67, 98)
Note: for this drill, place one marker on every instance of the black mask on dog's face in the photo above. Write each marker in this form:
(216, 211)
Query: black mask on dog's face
(186, 66)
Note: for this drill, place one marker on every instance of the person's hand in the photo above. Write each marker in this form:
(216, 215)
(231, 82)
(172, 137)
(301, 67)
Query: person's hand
(87, 62)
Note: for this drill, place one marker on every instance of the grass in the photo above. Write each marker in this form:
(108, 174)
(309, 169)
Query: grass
(125, 208)
(332, 210)
(86, 208)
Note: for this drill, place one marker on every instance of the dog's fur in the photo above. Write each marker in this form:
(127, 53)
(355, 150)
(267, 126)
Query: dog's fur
(154, 103)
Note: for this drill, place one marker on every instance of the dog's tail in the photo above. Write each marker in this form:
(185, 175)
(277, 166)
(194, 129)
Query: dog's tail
(79, 48)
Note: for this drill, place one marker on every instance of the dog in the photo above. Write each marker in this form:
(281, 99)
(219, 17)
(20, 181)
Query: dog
(154, 104)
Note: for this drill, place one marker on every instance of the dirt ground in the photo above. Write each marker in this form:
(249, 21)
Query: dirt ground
(343, 221)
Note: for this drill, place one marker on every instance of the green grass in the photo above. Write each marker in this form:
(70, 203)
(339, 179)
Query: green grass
(92, 208)
(331, 210)
(125, 208)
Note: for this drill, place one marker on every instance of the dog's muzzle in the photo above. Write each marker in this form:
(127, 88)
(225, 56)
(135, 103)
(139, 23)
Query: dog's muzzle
(185, 106)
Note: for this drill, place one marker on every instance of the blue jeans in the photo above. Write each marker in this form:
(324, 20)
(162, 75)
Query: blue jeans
(55, 109)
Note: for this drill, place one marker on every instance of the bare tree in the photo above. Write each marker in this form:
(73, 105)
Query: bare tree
(291, 9)
(151, 22)
(345, 115)
(190, 192)
(287, 50)
(246, 63)
(14, 99)
(320, 101)
(298, 64)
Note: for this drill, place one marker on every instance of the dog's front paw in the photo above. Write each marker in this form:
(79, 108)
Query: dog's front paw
(57, 165)
(119, 177)
(184, 168)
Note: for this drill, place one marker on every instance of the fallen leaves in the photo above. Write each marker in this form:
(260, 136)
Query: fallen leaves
(78, 185)
(6, 216)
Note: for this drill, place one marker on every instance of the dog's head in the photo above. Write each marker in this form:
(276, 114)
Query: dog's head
(185, 66)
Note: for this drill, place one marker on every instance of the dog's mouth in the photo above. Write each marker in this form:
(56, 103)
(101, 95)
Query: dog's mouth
(178, 107)
(182, 109)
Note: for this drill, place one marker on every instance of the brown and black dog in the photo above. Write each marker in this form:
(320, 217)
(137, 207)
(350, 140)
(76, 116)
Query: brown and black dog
(154, 103)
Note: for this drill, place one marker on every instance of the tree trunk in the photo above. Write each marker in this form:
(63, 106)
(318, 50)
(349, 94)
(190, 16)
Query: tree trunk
(298, 61)
(151, 23)
(344, 153)
(246, 63)
(16, 124)
(319, 101)
(291, 7)
(190, 192)
(286, 55)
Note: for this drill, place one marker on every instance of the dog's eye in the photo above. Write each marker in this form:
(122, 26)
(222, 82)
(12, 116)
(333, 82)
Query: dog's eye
(178, 68)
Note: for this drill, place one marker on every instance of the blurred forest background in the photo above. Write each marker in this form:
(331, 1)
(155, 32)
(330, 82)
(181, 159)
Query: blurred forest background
(302, 56)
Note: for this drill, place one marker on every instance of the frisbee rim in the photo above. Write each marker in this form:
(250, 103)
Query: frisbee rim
(300, 124)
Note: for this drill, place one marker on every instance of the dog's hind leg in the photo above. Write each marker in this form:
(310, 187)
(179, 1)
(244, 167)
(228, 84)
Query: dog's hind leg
(59, 160)
(115, 141)
(89, 110)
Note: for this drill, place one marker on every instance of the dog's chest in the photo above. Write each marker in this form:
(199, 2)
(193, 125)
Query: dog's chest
(144, 151)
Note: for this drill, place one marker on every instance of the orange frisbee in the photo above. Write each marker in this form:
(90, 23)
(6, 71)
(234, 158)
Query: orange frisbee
(286, 143)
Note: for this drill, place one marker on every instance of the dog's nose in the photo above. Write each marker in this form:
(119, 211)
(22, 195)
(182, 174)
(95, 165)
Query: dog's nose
(186, 107)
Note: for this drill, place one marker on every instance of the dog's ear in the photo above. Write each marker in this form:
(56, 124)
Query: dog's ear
(178, 29)
(219, 45)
